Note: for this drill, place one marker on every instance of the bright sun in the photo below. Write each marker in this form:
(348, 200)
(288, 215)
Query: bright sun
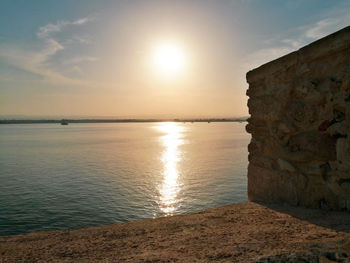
(169, 60)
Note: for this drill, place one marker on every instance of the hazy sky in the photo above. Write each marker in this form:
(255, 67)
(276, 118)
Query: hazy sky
(95, 57)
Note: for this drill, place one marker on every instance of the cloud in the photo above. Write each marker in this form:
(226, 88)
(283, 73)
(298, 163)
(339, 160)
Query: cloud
(327, 26)
(78, 60)
(36, 61)
(320, 28)
(77, 69)
(84, 20)
(277, 47)
(33, 62)
(79, 40)
(45, 31)
(293, 43)
(53, 45)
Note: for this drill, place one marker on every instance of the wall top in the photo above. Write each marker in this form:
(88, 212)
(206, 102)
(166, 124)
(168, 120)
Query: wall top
(332, 43)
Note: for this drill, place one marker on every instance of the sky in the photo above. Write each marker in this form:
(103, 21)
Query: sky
(96, 58)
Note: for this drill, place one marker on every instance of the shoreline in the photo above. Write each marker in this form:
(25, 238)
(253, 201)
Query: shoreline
(55, 121)
(245, 232)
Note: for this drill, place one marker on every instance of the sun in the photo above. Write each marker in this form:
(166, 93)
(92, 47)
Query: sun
(169, 59)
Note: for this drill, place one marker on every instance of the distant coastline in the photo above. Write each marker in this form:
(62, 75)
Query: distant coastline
(40, 121)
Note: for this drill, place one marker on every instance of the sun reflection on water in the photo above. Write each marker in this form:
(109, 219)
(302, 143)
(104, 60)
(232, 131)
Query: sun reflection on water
(170, 187)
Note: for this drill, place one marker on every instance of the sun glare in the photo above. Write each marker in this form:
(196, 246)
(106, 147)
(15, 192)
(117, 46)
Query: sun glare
(172, 155)
(169, 60)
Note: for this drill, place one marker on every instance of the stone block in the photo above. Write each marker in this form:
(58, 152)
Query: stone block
(342, 150)
(320, 145)
(286, 166)
(338, 129)
(269, 186)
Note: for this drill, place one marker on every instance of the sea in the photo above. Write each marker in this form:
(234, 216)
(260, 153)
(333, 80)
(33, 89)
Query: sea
(55, 177)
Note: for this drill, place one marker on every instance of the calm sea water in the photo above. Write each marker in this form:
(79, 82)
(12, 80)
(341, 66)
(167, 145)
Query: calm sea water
(64, 177)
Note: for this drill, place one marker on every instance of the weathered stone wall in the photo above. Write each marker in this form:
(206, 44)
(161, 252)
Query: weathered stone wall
(300, 126)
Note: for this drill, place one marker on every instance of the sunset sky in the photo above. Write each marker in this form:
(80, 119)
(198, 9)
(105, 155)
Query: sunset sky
(147, 58)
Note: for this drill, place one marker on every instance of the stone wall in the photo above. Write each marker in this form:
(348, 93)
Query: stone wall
(300, 126)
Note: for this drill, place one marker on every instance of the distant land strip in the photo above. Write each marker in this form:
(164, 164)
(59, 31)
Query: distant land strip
(39, 121)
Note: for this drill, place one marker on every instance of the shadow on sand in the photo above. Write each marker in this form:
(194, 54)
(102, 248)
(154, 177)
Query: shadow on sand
(338, 221)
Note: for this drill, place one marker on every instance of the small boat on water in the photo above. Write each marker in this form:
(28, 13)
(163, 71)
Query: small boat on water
(64, 122)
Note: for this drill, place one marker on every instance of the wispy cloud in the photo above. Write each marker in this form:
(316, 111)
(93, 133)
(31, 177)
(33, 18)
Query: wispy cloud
(274, 48)
(46, 31)
(78, 60)
(77, 69)
(82, 21)
(36, 62)
(327, 26)
(78, 39)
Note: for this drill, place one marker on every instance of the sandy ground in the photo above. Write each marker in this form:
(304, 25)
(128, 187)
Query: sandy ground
(246, 232)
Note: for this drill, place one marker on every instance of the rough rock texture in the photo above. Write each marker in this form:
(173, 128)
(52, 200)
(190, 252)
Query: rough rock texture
(246, 232)
(300, 126)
